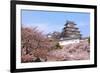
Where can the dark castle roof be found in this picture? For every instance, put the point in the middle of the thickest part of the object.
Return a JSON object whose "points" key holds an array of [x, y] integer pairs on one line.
{"points": [[70, 22]]}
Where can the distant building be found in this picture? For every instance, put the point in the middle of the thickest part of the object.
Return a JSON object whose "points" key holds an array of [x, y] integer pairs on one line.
{"points": [[70, 34]]}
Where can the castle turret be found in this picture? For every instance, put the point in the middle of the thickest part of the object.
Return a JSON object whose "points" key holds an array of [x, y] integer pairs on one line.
{"points": [[70, 31]]}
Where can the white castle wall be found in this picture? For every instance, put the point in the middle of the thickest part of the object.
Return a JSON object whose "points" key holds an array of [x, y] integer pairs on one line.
{"points": [[65, 42]]}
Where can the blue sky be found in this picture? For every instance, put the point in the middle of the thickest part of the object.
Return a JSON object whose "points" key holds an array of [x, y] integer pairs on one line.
{"points": [[49, 22]]}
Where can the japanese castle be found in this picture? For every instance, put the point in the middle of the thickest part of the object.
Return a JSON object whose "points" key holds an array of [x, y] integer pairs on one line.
{"points": [[70, 34]]}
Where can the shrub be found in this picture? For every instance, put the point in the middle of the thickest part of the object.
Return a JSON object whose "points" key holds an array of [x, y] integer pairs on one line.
{"points": [[57, 46], [88, 39]]}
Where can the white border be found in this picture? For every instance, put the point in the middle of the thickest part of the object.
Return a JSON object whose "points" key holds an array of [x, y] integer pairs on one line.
{"points": [[51, 64]]}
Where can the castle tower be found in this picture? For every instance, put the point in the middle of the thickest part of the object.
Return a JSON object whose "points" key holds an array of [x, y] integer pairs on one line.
{"points": [[70, 31]]}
